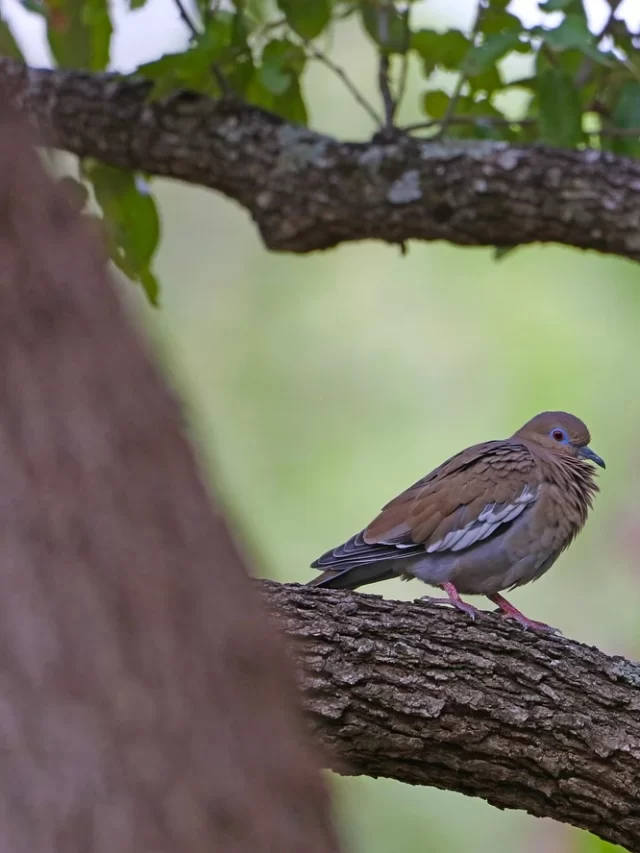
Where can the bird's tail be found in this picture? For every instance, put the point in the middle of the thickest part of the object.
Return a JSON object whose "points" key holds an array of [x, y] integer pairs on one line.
{"points": [[353, 576]]}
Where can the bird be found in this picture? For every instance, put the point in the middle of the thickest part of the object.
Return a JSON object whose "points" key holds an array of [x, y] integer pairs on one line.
{"points": [[491, 518]]}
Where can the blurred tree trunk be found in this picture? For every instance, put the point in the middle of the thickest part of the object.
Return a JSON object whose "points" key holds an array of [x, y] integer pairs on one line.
{"points": [[146, 703]]}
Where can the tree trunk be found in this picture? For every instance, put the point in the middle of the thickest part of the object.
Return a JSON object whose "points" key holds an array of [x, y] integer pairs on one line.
{"points": [[146, 701]]}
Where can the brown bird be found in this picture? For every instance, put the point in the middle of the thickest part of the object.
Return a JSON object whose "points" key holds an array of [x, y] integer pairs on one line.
{"points": [[491, 518]]}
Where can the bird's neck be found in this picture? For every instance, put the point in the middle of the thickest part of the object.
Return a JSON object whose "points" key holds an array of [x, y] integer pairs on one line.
{"points": [[576, 479]]}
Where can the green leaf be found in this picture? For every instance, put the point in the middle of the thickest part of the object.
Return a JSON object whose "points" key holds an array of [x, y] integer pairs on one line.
{"points": [[79, 33], [385, 25], [240, 28], [144, 276], [435, 103], [483, 57], [452, 47], [308, 18], [257, 93], [192, 69], [282, 64], [239, 74], [151, 286], [218, 35], [626, 116], [291, 105], [175, 71], [489, 81], [444, 49], [8, 44], [286, 54], [496, 21], [274, 79], [560, 109], [423, 42], [570, 61], [136, 4], [132, 218], [500, 252], [575, 6], [574, 32], [275, 85]]}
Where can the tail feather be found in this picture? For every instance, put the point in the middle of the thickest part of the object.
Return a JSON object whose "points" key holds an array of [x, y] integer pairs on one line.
{"points": [[353, 576]]}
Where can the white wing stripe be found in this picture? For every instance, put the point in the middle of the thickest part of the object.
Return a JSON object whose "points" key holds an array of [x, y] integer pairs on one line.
{"points": [[489, 520]]}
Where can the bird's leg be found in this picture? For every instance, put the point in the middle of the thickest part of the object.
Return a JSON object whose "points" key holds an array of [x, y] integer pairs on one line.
{"points": [[453, 599], [512, 612]]}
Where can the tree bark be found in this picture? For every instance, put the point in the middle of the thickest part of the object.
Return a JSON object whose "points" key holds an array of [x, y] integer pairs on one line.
{"points": [[146, 703], [423, 695], [307, 191]]}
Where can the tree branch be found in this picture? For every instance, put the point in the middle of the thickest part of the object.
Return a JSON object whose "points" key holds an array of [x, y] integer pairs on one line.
{"points": [[307, 191], [424, 696]]}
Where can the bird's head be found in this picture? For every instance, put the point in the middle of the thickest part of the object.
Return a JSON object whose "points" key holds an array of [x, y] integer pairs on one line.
{"points": [[561, 433]]}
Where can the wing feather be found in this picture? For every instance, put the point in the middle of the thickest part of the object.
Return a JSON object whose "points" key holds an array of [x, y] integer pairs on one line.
{"points": [[463, 502]]}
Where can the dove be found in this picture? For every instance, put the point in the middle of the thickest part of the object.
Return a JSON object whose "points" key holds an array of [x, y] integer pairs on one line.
{"points": [[492, 518]]}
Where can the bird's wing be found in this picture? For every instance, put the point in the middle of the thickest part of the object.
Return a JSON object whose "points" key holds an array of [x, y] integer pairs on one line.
{"points": [[464, 501]]}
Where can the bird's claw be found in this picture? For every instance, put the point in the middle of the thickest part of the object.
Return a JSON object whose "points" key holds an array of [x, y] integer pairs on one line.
{"points": [[510, 612], [469, 609], [532, 624]]}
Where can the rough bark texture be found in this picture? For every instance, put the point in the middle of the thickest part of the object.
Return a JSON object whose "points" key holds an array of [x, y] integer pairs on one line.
{"points": [[307, 191], [426, 696], [146, 703]]}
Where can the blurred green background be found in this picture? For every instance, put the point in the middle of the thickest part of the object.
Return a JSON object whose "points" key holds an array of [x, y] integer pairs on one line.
{"points": [[318, 387]]}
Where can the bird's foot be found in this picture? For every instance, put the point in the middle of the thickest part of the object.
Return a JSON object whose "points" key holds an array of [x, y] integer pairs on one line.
{"points": [[511, 612], [453, 600]]}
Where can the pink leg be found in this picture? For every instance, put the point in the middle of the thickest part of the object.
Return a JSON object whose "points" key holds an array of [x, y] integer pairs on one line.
{"points": [[512, 612], [454, 599]]}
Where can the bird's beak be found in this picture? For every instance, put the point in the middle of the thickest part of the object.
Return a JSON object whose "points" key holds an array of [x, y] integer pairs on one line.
{"points": [[592, 456]]}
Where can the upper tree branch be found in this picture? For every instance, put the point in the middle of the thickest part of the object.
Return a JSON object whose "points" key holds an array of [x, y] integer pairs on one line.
{"points": [[307, 191], [425, 696]]}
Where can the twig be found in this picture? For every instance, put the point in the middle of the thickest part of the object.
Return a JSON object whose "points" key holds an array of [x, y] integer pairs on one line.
{"points": [[342, 75], [220, 79], [587, 65], [195, 33], [388, 101], [462, 79], [404, 70], [271, 26]]}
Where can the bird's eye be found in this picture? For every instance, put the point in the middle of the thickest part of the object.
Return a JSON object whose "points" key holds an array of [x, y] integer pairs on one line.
{"points": [[558, 435]]}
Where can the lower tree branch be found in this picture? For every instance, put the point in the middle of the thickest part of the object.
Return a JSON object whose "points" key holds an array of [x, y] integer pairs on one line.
{"points": [[307, 191], [425, 696]]}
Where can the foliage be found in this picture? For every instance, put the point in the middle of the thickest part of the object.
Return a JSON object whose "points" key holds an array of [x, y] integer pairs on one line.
{"points": [[583, 88]]}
